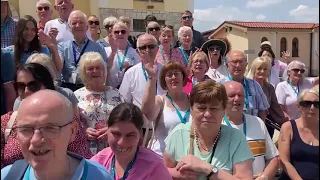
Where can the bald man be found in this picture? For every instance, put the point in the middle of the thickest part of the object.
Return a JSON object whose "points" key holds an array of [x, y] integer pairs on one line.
{"points": [[266, 154], [256, 102], [45, 127]]}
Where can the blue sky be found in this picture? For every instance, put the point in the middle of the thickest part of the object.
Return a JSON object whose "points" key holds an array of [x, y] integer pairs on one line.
{"points": [[209, 14]]}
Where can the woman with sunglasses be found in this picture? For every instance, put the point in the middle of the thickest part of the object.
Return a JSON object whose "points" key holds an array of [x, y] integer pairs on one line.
{"points": [[216, 49], [30, 78], [168, 110], [299, 140], [94, 27], [124, 159], [44, 12], [108, 25], [153, 28], [294, 83]]}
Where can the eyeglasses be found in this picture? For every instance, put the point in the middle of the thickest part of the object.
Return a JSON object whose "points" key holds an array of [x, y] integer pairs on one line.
{"points": [[236, 62], [214, 48], [150, 46], [46, 8], [47, 132], [198, 61], [308, 104], [186, 17], [32, 86], [154, 29], [118, 32], [175, 73], [94, 22], [297, 70], [108, 27]]}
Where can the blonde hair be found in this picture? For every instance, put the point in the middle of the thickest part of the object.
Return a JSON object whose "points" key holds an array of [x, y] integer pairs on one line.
{"points": [[304, 92], [258, 62], [121, 24], [44, 60], [90, 57], [316, 88], [167, 29], [44, 2], [125, 19], [202, 56]]}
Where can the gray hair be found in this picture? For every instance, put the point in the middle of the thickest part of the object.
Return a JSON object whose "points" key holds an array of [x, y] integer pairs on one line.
{"points": [[184, 29], [229, 55], [78, 12], [145, 35], [110, 21], [290, 66], [44, 2]]}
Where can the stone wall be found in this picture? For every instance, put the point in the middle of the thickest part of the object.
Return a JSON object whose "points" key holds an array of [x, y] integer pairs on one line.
{"points": [[171, 18]]}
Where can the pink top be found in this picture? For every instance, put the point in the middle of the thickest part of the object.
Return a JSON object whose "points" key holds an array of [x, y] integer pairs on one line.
{"points": [[188, 87], [176, 56], [148, 165]]}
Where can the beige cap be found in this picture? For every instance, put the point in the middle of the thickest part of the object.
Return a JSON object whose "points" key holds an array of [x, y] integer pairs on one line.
{"points": [[265, 43]]}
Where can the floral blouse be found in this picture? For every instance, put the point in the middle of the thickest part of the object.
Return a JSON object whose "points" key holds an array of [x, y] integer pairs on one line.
{"points": [[176, 56], [11, 151]]}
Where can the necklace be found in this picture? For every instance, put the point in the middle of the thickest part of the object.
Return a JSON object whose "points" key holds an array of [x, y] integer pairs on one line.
{"points": [[214, 143]]}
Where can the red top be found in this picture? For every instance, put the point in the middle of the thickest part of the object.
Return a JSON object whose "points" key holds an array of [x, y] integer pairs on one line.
{"points": [[11, 151]]}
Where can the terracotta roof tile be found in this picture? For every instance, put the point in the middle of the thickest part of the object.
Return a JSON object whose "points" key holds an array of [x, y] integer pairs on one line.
{"points": [[274, 25]]}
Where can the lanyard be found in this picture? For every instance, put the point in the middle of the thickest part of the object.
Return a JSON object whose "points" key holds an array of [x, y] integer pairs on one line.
{"points": [[186, 61], [121, 61], [194, 81], [162, 54], [246, 90], [83, 177], [144, 72], [4, 27], [76, 61], [128, 168], [182, 119], [295, 89], [225, 119]]}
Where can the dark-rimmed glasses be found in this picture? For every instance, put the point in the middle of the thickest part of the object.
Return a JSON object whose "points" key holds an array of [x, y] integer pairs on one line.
{"points": [[297, 70], [186, 17], [46, 8], [150, 46], [154, 29], [308, 104], [118, 32], [32, 86], [97, 23]]}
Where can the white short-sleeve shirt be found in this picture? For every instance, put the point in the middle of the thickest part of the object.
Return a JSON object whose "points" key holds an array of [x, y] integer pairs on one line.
{"points": [[218, 74], [287, 96]]}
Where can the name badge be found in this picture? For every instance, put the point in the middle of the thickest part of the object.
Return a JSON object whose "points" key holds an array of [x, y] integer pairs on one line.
{"points": [[75, 78], [120, 76]]}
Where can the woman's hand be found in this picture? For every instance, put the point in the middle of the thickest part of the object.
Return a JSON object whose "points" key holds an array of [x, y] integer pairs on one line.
{"points": [[92, 134], [48, 40], [286, 55], [193, 163], [102, 133], [189, 174]]}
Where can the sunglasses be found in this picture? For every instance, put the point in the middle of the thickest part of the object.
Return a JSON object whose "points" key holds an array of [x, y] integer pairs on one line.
{"points": [[150, 46], [186, 17], [297, 70], [46, 8], [32, 86], [154, 29], [214, 48], [94, 22], [308, 104], [108, 27], [118, 32]]}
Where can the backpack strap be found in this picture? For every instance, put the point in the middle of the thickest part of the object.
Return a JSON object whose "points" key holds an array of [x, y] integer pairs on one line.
{"points": [[17, 170], [10, 125]]}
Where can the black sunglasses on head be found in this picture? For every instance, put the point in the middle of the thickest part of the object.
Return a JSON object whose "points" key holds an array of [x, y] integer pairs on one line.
{"points": [[308, 104], [150, 46], [186, 17], [94, 22], [297, 70], [46, 8], [118, 32], [154, 29], [32, 86]]}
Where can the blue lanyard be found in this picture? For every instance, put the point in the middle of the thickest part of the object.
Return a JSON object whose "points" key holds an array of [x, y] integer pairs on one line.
{"points": [[225, 119], [246, 90], [4, 27], [295, 89], [144, 72], [83, 177], [162, 54], [182, 119], [76, 61], [128, 168], [121, 61], [194, 81], [186, 61]]}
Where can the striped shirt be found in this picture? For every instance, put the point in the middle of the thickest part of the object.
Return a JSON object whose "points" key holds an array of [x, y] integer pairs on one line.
{"points": [[7, 32]]}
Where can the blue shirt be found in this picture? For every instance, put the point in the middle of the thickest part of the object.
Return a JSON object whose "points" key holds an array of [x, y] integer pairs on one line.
{"points": [[7, 32], [7, 75], [65, 50], [94, 171], [26, 54]]}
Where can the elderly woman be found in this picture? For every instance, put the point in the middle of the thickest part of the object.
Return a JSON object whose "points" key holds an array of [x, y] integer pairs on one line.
{"points": [[44, 12], [300, 138], [124, 132], [216, 49], [95, 99], [153, 28], [31, 78], [124, 57], [168, 110], [132, 40], [94, 27], [205, 149], [199, 65], [260, 71], [186, 48], [108, 25], [166, 51], [288, 90]]}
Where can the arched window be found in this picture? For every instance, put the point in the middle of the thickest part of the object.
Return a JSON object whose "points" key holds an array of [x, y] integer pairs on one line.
{"points": [[283, 45], [295, 47], [264, 39]]}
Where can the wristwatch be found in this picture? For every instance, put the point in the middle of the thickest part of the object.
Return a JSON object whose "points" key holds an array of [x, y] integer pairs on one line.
{"points": [[214, 171]]}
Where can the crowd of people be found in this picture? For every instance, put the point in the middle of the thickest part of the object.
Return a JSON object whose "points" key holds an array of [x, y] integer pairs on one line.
{"points": [[79, 105]]}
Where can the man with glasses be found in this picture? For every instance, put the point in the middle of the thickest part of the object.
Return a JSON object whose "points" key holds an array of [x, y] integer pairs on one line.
{"points": [[256, 102], [8, 25], [187, 20], [44, 129], [44, 12]]}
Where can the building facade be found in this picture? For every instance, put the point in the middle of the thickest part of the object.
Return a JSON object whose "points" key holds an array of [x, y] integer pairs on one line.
{"points": [[166, 11], [300, 39]]}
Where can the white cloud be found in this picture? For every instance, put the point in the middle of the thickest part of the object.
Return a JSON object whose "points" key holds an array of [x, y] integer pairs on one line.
{"points": [[260, 17], [305, 13], [262, 3]]}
